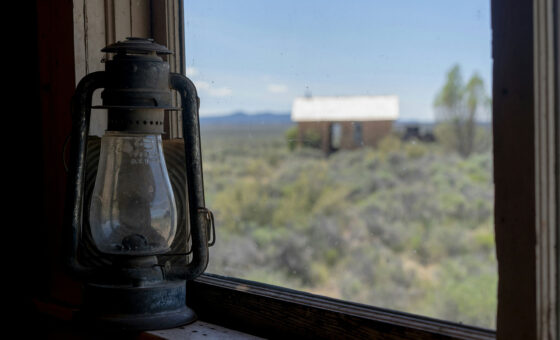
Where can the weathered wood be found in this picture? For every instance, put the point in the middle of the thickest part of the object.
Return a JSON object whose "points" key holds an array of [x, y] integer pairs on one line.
{"points": [[79, 40], [140, 18], [96, 32], [110, 21], [557, 143], [98, 23], [371, 133], [159, 27], [122, 20], [514, 173], [546, 161], [198, 330], [275, 312], [170, 33], [174, 20]]}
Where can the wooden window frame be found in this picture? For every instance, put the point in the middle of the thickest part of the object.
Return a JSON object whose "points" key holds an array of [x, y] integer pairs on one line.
{"points": [[525, 215], [277, 312], [525, 127]]}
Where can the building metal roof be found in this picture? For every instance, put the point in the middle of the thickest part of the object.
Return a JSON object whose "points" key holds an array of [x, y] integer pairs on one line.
{"points": [[345, 108]]}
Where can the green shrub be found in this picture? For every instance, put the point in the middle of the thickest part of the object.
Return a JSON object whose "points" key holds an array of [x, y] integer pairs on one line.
{"points": [[291, 137], [401, 226], [415, 150], [312, 138], [389, 143]]}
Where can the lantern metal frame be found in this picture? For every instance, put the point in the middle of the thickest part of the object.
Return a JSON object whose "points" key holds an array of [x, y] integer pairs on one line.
{"points": [[136, 292]]}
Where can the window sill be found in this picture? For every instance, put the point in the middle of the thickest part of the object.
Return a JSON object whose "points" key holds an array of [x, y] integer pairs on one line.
{"points": [[271, 311], [198, 330], [53, 320]]}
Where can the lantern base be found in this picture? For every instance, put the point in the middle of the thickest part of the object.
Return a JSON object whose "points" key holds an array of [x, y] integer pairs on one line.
{"points": [[126, 308]]}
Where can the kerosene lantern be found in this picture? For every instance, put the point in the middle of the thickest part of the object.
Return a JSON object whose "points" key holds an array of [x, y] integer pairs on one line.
{"points": [[132, 214]]}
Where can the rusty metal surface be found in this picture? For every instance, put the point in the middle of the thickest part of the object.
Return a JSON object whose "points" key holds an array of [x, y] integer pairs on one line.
{"points": [[137, 82], [129, 293], [81, 111], [130, 309], [82, 254], [136, 45], [198, 218]]}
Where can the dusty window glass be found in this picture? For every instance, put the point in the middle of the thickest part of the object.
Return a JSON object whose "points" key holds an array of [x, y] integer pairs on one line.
{"points": [[393, 209]]}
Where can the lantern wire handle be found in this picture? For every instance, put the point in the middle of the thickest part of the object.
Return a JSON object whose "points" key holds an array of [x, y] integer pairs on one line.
{"points": [[191, 134], [211, 227], [211, 230]]}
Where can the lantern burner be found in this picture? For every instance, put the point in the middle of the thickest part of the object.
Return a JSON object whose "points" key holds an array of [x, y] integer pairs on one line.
{"points": [[135, 242]]}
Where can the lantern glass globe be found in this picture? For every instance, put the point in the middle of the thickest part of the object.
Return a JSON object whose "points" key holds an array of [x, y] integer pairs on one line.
{"points": [[132, 209]]}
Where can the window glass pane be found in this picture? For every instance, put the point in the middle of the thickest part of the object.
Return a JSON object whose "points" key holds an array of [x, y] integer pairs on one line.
{"points": [[358, 134], [335, 135], [347, 149]]}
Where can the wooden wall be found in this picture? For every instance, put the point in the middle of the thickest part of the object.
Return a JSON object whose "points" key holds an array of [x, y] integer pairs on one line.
{"points": [[98, 23], [68, 38], [372, 133], [545, 38]]}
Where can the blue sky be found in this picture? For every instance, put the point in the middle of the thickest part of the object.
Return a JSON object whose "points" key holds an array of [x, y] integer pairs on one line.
{"points": [[257, 56]]}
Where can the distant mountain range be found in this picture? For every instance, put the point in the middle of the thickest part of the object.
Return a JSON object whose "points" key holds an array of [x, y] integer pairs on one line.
{"points": [[267, 118], [241, 118]]}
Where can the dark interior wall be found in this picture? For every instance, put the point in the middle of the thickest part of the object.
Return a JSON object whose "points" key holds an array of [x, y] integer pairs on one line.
{"points": [[57, 83], [42, 82], [23, 234], [24, 159]]}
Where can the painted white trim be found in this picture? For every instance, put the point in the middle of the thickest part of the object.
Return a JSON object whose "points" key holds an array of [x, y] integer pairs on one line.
{"points": [[349, 108]]}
